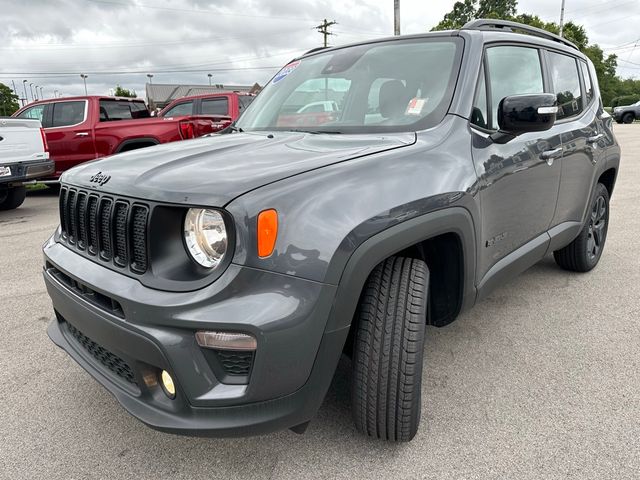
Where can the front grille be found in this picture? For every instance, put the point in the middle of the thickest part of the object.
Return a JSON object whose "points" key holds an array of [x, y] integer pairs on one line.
{"points": [[235, 362], [112, 229], [109, 360]]}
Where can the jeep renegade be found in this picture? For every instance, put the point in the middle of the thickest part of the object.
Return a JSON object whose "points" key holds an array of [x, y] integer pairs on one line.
{"points": [[212, 285]]}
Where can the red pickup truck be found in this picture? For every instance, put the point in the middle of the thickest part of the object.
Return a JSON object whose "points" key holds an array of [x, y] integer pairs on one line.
{"points": [[230, 104], [79, 129]]}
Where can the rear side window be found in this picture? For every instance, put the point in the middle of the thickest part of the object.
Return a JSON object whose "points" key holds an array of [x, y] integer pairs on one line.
{"points": [[588, 94], [511, 71], [185, 108], [35, 113], [66, 114], [244, 101], [215, 106], [112, 110], [566, 84]]}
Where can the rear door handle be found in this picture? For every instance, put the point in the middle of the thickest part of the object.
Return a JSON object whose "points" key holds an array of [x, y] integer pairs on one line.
{"points": [[595, 138], [551, 155], [82, 134]]}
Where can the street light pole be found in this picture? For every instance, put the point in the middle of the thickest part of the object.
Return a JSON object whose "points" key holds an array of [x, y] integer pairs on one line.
{"points": [[31, 88], [561, 17], [26, 98], [209, 75], [150, 75], [41, 93], [55, 94], [84, 79], [37, 87]]}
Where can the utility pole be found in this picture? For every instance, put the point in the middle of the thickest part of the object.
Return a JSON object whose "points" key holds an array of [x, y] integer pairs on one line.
{"points": [[323, 29], [561, 17], [396, 17], [84, 79]]}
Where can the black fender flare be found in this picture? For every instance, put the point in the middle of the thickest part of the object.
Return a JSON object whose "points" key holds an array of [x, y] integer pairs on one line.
{"points": [[371, 252], [134, 141]]}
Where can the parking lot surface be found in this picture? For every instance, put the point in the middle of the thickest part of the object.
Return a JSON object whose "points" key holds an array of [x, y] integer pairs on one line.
{"points": [[541, 380]]}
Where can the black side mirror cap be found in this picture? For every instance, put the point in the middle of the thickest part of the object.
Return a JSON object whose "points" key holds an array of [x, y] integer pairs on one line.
{"points": [[518, 114]]}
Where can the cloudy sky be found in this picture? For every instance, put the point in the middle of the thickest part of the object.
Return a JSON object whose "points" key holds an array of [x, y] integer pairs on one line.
{"points": [[50, 42]]}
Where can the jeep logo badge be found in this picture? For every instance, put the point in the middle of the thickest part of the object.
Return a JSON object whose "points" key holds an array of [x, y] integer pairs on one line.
{"points": [[100, 178]]}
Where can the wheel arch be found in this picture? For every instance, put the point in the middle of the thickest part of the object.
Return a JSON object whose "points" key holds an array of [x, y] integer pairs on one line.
{"points": [[135, 143], [454, 223]]}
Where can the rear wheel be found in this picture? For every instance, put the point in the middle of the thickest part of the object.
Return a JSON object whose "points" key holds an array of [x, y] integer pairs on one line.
{"points": [[628, 118], [388, 350], [14, 198], [585, 251]]}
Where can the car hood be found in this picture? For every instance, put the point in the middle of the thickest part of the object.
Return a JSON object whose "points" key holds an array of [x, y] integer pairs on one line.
{"points": [[214, 170]]}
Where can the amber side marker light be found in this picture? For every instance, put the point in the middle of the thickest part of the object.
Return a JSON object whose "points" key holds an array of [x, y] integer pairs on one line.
{"points": [[267, 232]]}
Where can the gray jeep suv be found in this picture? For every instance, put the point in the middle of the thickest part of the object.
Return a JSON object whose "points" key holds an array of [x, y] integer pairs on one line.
{"points": [[212, 285]]}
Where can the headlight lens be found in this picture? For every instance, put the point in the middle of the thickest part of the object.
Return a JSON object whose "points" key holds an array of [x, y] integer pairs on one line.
{"points": [[205, 236]]}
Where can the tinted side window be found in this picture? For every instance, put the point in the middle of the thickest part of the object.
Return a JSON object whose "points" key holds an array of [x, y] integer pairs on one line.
{"points": [[111, 110], [68, 113], [185, 108], [215, 106], [35, 113], [587, 82], [566, 84], [479, 115], [512, 71], [244, 101]]}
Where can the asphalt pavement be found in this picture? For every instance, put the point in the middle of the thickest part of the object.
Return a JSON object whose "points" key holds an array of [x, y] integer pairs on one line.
{"points": [[541, 380]]}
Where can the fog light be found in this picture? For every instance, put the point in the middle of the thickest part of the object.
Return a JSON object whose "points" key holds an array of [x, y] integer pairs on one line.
{"points": [[226, 340], [167, 384]]}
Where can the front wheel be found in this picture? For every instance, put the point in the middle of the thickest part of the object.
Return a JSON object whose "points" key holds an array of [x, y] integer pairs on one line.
{"points": [[627, 118], [388, 350], [14, 197], [585, 251]]}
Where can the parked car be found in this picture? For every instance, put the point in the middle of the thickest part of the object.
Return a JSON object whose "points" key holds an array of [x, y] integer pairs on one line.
{"points": [[627, 113], [212, 288], [24, 156], [319, 107], [227, 105], [79, 129]]}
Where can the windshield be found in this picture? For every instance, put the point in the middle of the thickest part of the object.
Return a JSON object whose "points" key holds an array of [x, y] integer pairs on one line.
{"points": [[392, 86]]}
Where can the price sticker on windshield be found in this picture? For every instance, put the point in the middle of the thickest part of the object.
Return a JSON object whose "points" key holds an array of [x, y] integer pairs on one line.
{"points": [[415, 106], [286, 70]]}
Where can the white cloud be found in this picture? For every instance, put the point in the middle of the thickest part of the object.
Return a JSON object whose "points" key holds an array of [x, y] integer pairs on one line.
{"points": [[180, 41]]}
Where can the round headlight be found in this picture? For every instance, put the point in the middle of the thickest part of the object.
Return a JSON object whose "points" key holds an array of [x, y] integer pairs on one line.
{"points": [[205, 236]]}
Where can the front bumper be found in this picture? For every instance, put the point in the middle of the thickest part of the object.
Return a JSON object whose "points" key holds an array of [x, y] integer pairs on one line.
{"points": [[26, 171], [154, 330]]}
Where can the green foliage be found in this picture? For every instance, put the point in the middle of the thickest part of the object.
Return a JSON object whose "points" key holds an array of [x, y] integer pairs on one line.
{"points": [[123, 92], [8, 101], [611, 86], [625, 100]]}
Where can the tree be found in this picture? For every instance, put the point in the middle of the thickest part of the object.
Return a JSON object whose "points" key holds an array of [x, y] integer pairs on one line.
{"points": [[8, 101], [123, 92], [610, 85]]}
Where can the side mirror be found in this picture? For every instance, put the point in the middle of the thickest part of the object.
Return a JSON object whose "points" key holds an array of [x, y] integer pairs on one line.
{"points": [[520, 114]]}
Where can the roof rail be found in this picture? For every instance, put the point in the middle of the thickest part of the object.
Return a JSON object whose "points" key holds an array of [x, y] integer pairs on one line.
{"points": [[508, 26], [313, 50]]}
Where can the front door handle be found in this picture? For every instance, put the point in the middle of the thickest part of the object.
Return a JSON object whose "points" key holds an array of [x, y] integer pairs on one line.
{"points": [[82, 134], [595, 138], [550, 155]]}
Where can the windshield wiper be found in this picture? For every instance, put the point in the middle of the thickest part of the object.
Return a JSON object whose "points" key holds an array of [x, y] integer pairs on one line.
{"points": [[313, 132]]}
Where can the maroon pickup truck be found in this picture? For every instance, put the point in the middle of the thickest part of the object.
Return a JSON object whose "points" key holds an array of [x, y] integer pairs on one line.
{"points": [[79, 129], [229, 104]]}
